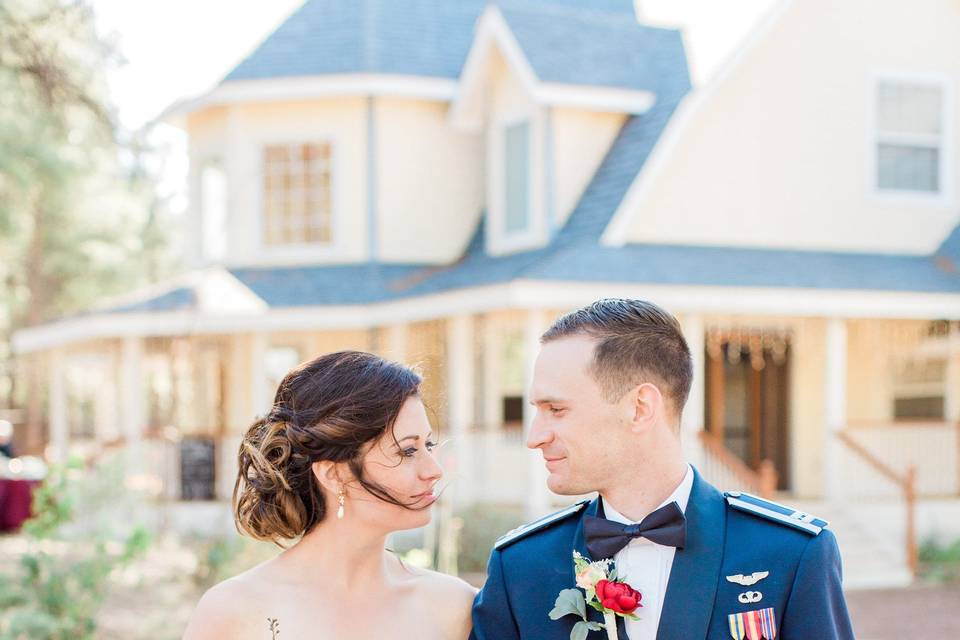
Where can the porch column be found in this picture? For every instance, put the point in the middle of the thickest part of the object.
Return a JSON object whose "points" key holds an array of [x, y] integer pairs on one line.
{"points": [[57, 448], [538, 495], [951, 400], [492, 370], [106, 403], [691, 423], [460, 385], [132, 416], [835, 404], [396, 342], [262, 402]]}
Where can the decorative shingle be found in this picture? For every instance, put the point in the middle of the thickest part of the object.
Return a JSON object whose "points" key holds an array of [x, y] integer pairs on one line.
{"points": [[572, 41]]}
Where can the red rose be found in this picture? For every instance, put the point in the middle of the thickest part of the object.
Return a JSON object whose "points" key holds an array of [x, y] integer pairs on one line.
{"points": [[618, 596]]}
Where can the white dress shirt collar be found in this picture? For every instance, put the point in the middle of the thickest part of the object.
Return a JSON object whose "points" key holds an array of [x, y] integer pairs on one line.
{"points": [[680, 495]]}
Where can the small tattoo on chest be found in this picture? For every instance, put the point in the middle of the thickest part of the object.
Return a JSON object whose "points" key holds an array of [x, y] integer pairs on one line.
{"points": [[274, 628]]}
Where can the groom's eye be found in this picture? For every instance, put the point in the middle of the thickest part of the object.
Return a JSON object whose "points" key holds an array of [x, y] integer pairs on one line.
{"points": [[557, 410]]}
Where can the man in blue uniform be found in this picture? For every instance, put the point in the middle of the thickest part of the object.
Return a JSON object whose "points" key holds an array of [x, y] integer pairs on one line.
{"points": [[609, 387]]}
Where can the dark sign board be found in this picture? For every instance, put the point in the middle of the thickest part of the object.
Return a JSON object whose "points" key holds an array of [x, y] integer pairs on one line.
{"points": [[197, 469]]}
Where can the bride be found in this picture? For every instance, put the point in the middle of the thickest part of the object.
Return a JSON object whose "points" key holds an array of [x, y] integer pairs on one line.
{"points": [[343, 459]]}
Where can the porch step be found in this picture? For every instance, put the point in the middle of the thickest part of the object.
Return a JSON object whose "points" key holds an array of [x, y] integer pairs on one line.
{"points": [[871, 560]]}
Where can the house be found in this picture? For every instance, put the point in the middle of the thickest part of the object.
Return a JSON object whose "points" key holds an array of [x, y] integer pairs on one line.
{"points": [[436, 181]]}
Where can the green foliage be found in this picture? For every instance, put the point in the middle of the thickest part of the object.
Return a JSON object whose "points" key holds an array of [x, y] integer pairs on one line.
{"points": [[483, 524], [79, 214], [63, 577], [221, 557], [940, 562]]}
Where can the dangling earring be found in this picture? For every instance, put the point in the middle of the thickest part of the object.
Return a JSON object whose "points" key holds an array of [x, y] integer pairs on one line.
{"points": [[341, 499]]}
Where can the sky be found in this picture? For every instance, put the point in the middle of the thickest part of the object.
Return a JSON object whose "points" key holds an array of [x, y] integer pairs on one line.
{"points": [[174, 49]]}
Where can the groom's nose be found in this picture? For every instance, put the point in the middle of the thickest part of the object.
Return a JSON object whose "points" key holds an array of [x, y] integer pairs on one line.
{"points": [[538, 435]]}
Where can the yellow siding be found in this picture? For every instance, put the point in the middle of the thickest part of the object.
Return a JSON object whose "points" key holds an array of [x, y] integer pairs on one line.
{"points": [[779, 154]]}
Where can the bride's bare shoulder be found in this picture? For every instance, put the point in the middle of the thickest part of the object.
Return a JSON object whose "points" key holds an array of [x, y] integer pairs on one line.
{"points": [[224, 609], [451, 599]]}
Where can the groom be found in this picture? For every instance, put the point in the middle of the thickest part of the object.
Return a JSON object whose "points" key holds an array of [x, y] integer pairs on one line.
{"points": [[609, 387]]}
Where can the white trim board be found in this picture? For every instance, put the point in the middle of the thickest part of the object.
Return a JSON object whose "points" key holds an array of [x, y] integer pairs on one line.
{"points": [[493, 32], [519, 294], [309, 87]]}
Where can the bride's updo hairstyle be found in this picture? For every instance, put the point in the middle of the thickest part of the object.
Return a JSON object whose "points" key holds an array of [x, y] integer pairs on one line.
{"points": [[327, 409]]}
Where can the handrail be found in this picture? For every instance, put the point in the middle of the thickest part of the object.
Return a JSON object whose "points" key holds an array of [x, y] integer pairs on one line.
{"points": [[765, 478], [911, 423], [907, 482]]}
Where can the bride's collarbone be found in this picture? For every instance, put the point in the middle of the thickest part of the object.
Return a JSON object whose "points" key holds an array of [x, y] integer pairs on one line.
{"points": [[323, 614], [350, 621]]}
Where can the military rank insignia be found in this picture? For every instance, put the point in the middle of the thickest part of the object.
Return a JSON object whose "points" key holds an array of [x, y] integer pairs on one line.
{"points": [[753, 625]]}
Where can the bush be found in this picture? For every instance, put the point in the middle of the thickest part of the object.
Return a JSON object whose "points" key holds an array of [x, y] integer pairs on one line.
{"points": [[221, 557], [61, 579], [940, 563]]}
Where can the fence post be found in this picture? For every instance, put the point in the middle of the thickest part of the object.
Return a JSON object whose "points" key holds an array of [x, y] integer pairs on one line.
{"points": [[910, 493]]}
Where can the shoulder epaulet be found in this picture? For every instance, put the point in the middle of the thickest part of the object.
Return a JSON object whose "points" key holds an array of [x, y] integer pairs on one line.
{"points": [[776, 512], [538, 525]]}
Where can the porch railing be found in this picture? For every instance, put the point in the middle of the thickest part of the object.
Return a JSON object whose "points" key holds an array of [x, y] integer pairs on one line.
{"points": [[906, 482], [932, 447], [725, 470]]}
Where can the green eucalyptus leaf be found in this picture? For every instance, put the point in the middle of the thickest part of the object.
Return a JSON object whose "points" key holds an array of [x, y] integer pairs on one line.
{"points": [[569, 602], [579, 631]]}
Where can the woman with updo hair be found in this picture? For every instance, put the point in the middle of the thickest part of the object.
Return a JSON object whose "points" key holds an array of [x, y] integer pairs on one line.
{"points": [[344, 458]]}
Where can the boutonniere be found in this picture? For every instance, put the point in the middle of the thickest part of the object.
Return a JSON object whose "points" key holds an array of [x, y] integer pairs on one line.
{"points": [[603, 591]]}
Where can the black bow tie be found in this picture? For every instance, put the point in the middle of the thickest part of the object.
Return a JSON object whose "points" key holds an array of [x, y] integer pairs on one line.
{"points": [[667, 526]]}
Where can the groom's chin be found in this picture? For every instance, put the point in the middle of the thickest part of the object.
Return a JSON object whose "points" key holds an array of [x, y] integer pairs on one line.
{"points": [[557, 485]]}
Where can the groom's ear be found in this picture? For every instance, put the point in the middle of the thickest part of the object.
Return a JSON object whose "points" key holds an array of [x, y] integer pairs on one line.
{"points": [[647, 403]]}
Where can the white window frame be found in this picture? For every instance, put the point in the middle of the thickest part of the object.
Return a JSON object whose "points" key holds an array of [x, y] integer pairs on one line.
{"points": [[946, 179], [304, 251], [906, 389], [499, 240], [208, 225]]}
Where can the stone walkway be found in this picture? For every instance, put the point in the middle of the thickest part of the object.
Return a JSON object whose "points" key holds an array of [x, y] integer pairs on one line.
{"points": [[900, 614]]}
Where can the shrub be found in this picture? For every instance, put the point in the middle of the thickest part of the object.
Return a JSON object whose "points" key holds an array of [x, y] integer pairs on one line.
{"points": [[62, 577], [483, 524], [940, 562]]}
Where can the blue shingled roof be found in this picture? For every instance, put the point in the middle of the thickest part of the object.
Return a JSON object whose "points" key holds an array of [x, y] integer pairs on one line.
{"points": [[590, 47], [596, 42], [343, 284], [733, 266], [175, 300], [949, 250], [419, 37]]}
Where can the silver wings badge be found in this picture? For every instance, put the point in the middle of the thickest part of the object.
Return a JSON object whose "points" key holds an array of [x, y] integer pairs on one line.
{"points": [[749, 580]]}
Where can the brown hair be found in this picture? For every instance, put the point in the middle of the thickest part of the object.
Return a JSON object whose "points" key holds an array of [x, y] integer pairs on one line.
{"points": [[637, 342], [326, 409]]}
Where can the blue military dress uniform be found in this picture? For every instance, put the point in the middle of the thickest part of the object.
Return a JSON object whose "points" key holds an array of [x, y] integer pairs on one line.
{"points": [[733, 534]]}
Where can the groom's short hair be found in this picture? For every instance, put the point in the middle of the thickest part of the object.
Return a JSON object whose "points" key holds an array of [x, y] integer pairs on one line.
{"points": [[637, 342]]}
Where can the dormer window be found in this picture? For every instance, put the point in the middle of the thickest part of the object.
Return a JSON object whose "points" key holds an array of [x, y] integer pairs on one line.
{"points": [[297, 202], [515, 184], [516, 166]]}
